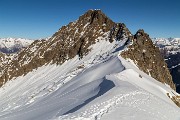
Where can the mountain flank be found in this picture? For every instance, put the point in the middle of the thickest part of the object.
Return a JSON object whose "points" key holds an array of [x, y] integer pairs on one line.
{"points": [[76, 38], [148, 58], [71, 40]]}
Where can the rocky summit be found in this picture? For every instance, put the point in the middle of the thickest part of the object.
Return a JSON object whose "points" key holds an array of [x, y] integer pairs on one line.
{"points": [[174, 67], [69, 41], [148, 58], [76, 38], [92, 68]]}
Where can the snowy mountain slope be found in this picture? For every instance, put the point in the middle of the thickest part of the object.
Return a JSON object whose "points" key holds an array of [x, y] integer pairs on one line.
{"points": [[79, 74], [69, 41], [173, 62], [12, 45], [148, 58], [169, 48], [101, 85]]}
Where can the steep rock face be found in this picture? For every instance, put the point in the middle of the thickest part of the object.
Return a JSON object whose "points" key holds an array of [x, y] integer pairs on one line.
{"points": [[173, 62], [71, 40], [2, 57], [77, 36], [5, 60], [119, 31], [175, 72], [148, 58]]}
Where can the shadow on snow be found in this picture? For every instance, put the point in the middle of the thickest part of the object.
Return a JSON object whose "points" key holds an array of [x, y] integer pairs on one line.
{"points": [[105, 86]]}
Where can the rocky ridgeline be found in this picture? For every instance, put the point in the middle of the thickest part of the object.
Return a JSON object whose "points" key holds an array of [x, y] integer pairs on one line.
{"points": [[5, 59], [76, 38], [173, 62], [2, 58], [148, 58], [71, 40]]}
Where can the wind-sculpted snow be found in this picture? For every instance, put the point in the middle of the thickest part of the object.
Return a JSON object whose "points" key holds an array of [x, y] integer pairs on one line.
{"points": [[45, 104], [101, 85], [52, 91], [125, 101]]}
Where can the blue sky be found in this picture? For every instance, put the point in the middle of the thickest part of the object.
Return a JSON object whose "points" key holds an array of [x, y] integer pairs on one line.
{"points": [[41, 18]]}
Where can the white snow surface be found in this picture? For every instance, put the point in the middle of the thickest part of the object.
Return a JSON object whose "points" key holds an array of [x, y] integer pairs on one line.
{"points": [[166, 41], [101, 86], [11, 42]]}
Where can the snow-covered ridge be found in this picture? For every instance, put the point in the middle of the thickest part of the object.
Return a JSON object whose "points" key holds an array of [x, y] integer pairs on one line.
{"points": [[11, 45], [97, 85], [100, 86]]}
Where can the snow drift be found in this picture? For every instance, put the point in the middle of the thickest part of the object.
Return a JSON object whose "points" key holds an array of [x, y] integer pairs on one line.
{"points": [[102, 85]]}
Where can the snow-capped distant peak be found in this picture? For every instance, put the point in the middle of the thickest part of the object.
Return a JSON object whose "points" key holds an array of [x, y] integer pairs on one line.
{"points": [[11, 45], [167, 41], [80, 74]]}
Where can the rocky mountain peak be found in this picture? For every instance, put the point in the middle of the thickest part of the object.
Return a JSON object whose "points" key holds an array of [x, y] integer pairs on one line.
{"points": [[76, 38], [95, 17], [141, 36], [148, 58], [69, 41], [140, 32]]}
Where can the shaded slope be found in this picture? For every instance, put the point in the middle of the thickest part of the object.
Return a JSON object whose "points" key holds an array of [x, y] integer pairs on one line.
{"points": [[173, 62]]}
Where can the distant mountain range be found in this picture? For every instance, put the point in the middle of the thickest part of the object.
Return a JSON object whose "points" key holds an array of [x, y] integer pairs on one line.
{"points": [[167, 45], [170, 49], [90, 69], [12, 45], [173, 62], [167, 41]]}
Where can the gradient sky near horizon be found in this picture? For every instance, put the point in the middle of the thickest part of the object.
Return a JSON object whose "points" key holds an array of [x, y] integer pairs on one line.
{"points": [[35, 19]]}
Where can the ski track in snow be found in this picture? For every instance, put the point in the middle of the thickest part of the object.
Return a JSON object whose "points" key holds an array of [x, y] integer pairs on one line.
{"points": [[96, 111], [52, 91], [135, 99]]}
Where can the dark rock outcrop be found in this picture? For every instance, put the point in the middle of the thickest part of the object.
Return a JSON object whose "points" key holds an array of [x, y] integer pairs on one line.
{"points": [[69, 41], [173, 62], [2, 57], [76, 39], [148, 58]]}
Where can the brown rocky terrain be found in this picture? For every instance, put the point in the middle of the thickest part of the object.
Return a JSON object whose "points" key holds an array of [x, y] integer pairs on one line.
{"points": [[69, 41], [76, 38], [2, 57], [148, 58]]}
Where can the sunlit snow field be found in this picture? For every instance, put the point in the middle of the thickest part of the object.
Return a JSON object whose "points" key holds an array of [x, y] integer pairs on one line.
{"points": [[102, 85]]}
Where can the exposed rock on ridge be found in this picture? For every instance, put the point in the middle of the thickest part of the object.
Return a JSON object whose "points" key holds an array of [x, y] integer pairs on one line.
{"points": [[71, 40], [148, 58], [76, 38], [173, 62]]}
